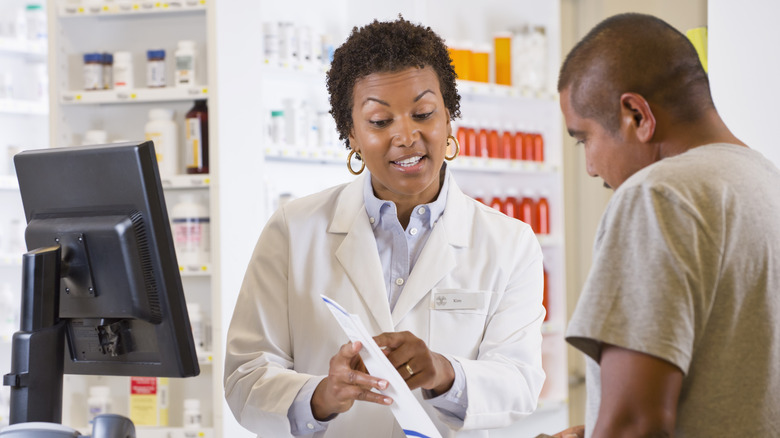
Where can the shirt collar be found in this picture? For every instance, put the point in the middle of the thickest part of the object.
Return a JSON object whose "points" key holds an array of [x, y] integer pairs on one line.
{"points": [[374, 205]]}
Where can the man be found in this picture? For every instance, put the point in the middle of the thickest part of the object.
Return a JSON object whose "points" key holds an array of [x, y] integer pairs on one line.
{"points": [[680, 315]]}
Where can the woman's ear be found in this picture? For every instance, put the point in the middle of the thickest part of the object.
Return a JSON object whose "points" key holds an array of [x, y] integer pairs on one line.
{"points": [[353, 144], [636, 117]]}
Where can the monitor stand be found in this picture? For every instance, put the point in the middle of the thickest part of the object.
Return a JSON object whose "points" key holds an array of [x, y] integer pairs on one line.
{"points": [[38, 359], [37, 355]]}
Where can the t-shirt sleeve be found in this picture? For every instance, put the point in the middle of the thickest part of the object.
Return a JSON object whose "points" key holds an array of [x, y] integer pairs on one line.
{"points": [[650, 285]]}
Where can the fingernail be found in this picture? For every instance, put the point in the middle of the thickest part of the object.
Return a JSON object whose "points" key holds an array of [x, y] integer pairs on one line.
{"points": [[382, 384], [387, 400]]}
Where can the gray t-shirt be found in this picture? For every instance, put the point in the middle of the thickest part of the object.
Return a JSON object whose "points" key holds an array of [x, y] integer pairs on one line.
{"points": [[686, 268]]}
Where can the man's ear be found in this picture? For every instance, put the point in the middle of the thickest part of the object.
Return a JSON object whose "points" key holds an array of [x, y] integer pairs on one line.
{"points": [[636, 116]]}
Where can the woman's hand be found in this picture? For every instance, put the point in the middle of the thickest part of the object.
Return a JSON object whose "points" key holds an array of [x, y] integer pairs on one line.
{"points": [[572, 432], [346, 382], [419, 366]]}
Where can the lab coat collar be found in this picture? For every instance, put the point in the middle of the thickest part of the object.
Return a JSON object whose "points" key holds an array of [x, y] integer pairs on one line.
{"points": [[358, 253], [359, 256]]}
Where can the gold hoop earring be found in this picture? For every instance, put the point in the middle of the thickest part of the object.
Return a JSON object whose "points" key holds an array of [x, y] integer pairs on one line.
{"points": [[349, 162], [457, 148]]}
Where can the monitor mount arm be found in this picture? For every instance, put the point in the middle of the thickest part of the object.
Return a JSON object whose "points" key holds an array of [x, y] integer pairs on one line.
{"points": [[37, 361]]}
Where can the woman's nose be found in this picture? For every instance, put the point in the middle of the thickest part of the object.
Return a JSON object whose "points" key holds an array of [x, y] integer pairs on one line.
{"points": [[405, 133]]}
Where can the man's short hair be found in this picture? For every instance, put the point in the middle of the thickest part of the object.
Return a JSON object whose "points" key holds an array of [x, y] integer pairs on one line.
{"points": [[635, 53]]}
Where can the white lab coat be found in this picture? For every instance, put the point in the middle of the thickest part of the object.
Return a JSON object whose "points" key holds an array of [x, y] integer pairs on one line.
{"points": [[282, 333]]}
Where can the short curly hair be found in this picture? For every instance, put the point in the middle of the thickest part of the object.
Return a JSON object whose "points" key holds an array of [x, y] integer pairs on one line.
{"points": [[387, 46]]}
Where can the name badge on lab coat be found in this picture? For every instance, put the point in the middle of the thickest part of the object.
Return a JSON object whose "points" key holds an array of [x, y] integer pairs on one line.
{"points": [[458, 300]]}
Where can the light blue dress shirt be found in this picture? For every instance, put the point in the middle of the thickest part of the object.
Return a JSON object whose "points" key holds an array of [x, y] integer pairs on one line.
{"points": [[399, 250]]}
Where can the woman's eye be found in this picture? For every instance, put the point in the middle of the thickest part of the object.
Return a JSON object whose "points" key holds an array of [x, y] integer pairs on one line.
{"points": [[380, 123], [423, 116]]}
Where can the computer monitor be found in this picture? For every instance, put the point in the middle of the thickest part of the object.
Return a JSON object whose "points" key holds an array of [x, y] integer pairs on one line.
{"points": [[102, 293]]}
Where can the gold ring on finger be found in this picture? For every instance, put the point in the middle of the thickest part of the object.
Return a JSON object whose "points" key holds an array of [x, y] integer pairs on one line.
{"points": [[409, 369]]}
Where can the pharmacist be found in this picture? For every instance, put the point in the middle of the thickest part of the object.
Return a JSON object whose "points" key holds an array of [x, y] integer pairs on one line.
{"points": [[394, 247]]}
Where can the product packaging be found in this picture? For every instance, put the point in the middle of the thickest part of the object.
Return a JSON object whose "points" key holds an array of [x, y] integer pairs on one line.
{"points": [[185, 59], [149, 401], [99, 402], [123, 70], [191, 231], [155, 68], [162, 130], [196, 145]]}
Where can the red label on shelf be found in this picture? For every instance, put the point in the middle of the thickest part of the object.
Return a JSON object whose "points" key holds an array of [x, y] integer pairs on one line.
{"points": [[143, 385]]}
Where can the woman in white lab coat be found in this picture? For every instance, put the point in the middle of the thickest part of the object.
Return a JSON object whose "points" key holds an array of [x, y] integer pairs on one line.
{"points": [[451, 288]]}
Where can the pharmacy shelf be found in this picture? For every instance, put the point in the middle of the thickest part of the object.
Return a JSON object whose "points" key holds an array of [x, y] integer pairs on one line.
{"points": [[479, 164], [174, 432], [195, 270], [136, 95], [552, 328], [24, 107], [133, 8], [306, 154], [206, 358], [550, 404], [10, 260], [549, 240], [285, 68], [186, 182], [318, 154], [8, 182], [165, 432], [483, 89], [16, 46]]}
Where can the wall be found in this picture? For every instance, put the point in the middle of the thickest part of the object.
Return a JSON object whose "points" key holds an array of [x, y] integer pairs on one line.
{"points": [[743, 66]]}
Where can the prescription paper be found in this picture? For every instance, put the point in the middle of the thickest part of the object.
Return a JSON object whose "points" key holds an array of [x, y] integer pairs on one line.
{"points": [[407, 410]]}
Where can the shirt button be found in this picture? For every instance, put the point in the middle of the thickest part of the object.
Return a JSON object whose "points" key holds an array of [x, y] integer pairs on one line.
{"points": [[459, 394], [421, 210], [372, 220], [310, 426], [413, 231], [399, 281]]}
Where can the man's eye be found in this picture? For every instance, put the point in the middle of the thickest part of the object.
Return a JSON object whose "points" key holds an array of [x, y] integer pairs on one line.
{"points": [[579, 143]]}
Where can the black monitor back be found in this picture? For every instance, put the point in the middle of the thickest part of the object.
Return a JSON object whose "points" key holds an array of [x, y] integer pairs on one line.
{"points": [[120, 291]]}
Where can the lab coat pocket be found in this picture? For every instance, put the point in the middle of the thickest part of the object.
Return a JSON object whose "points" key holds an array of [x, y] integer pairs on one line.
{"points": [[457, 322]]}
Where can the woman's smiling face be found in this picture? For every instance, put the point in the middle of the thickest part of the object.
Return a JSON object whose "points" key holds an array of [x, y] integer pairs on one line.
{"points": [[400, 129]]}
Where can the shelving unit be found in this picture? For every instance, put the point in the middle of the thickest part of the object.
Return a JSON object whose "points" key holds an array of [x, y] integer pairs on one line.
{"points": [[132, 8], [137, 95], [22, 47], [137, 26], [23, 114]]}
